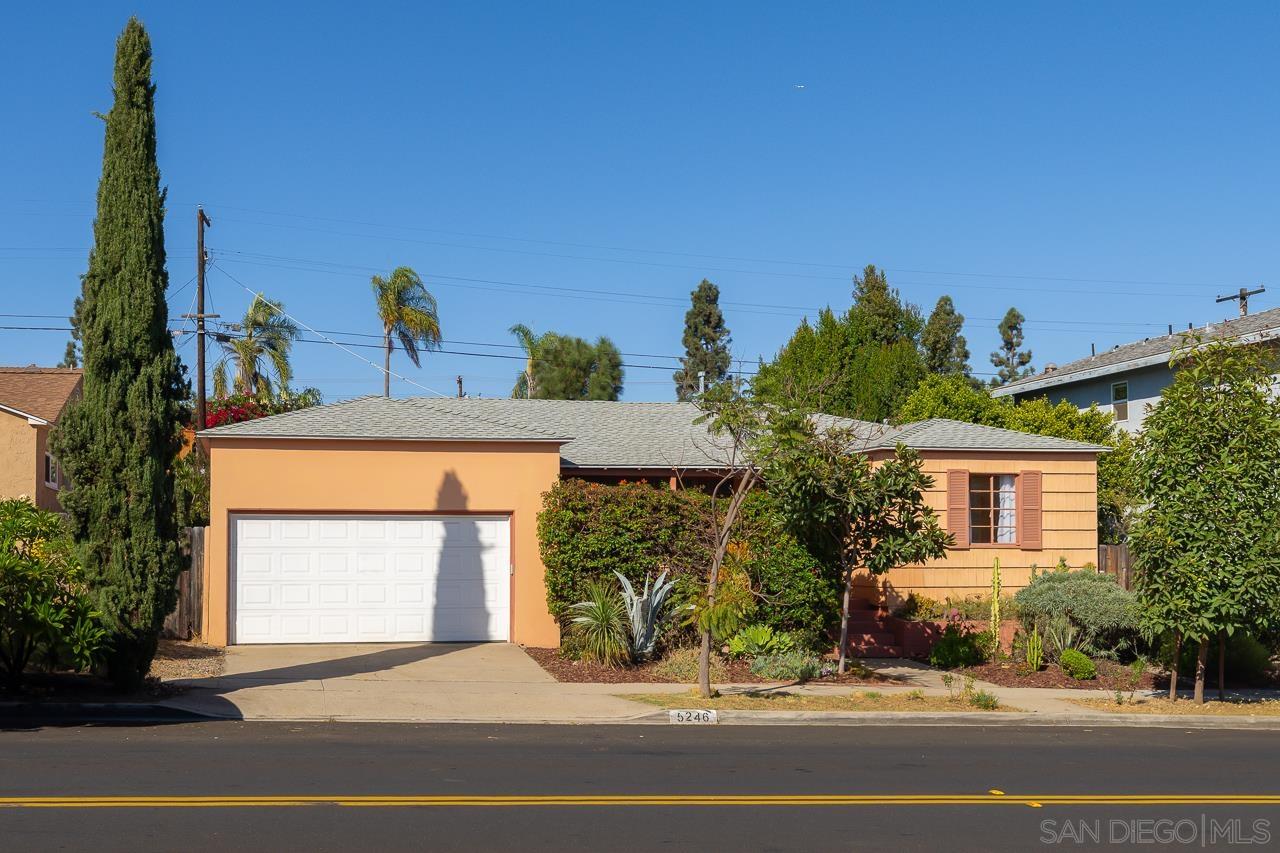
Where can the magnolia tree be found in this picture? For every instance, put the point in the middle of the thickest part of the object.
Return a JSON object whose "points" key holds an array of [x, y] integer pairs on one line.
{"points": [[1207, 544], [867, 514]]}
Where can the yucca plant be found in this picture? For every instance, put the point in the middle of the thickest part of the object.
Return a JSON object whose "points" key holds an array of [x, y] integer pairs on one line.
{"points": [[599, 622], [644, 612]]}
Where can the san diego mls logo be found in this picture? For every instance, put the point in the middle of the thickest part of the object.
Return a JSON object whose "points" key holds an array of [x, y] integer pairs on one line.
{"points": [[1165, 832]]}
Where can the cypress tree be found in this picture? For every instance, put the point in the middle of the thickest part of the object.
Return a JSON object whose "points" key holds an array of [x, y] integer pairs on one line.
{"points": [[945, 349], [1011, 360], [119, 441], [706, 342]]}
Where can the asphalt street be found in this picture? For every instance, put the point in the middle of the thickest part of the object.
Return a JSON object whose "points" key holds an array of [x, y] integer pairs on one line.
{"points": [[318, 787]]}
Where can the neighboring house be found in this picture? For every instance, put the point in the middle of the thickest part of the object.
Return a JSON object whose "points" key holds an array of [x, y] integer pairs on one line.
{"points": [[31, 401], [1126, 380], [416, 519]]}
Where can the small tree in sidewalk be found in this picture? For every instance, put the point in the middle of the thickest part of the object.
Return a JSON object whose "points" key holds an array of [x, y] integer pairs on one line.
{"points": [[1207, 545], [867, 515]]}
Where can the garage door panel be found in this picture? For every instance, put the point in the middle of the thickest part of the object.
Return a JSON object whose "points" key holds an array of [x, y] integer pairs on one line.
{"points": [[394, 578]]}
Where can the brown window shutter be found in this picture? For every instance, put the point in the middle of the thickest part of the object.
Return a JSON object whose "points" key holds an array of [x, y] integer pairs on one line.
{"points": [[958, 506], [1031, 511]]}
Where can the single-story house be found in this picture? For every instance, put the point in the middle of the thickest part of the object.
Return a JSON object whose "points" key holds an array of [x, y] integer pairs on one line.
{"points": [[1127, 379], [416, 519], [31, 401]]}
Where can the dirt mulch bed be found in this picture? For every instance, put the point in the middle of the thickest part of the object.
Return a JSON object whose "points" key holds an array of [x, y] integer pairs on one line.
{"points": [[174, 659], [1111, 676], [856, 701], [735, 672], [1229, 708], [181, 659]]}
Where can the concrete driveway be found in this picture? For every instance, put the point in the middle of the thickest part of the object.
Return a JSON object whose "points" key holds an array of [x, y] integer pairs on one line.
{"points": [[422, 682]]}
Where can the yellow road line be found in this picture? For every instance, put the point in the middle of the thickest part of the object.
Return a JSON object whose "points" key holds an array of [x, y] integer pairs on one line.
{"points": [[664, 800]]}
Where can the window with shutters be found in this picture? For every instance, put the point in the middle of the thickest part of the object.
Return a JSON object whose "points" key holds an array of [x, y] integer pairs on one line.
{"points": [[993, 509]]}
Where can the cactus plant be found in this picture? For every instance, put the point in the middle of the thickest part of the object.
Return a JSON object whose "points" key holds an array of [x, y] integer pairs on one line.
{"points": [[1035, 650], [644, 611], [993, 626]]}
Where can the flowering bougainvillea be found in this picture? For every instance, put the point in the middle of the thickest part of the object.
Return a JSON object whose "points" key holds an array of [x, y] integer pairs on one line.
{"points": [[241, 407]]}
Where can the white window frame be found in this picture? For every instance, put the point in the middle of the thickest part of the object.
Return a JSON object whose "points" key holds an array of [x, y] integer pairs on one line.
{"points": [[1123, 401], [50, 470]]}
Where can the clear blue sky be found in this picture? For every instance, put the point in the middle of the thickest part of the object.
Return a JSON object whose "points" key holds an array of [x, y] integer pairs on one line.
{"points": [[1107, 168]]}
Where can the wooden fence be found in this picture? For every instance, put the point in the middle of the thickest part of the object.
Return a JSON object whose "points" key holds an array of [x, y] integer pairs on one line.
{"points": [[1114, 560], [186, 622]]}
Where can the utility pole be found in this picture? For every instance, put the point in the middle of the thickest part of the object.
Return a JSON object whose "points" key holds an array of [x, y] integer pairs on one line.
{"points": [[202, 222], [702, 382], [1243, 296], [460, 394]]}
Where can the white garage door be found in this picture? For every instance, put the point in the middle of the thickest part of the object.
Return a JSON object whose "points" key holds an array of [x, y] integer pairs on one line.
{"points": [[351, 579]]}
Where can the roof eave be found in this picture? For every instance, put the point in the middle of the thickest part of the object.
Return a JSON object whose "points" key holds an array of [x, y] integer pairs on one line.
{"points": [[208, 435], [34, 420]]}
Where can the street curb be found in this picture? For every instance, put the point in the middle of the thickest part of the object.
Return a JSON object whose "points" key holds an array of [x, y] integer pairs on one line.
{"points": [[94, 712]]}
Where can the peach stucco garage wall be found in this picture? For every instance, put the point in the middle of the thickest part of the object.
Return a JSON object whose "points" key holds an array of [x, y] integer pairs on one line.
{"points": [[305, 475]]}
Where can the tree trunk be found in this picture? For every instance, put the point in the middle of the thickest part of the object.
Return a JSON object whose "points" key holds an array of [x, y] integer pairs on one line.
{"points": [[844, 623], [1222, 665], [386, 372], [1173, 669], [1202, 658]]}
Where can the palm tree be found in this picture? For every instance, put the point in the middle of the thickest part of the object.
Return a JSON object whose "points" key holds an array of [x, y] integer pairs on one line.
{"points": [[408, 312], [529, 341], [261, 347]]}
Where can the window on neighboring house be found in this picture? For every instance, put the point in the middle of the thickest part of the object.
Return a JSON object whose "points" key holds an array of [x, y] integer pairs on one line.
{"points": [[50, 471], [993, 511], [1120, 400]]}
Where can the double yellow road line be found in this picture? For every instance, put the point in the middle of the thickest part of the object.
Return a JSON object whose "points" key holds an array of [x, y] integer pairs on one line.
{"points": [[993, 798]]}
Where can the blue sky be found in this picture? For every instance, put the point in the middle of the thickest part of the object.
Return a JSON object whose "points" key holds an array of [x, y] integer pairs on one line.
{"points": [[1107, 168]]}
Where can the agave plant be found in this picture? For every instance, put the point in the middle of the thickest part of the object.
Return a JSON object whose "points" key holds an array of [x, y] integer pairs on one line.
{"points": [[644, 611]]}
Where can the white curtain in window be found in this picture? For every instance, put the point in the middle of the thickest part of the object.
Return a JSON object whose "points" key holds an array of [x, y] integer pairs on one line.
{"points": [[1006, 517]]}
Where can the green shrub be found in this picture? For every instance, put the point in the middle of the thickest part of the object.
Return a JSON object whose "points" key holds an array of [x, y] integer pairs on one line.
{"points": [[45, 614], [792, 666], [1077, 665], [599, 625], [983, 700], [755, 640], [958, 647], [1104, 615], [590, 530], [1248, 660], [922, 608], [681, 665]]}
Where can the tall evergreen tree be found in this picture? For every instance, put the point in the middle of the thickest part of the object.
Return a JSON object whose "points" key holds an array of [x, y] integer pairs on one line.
{"points": [[1011, 360], [119, 441], [71, 355], [569, 368], [863, 364], [945, 350], [706, 342]]}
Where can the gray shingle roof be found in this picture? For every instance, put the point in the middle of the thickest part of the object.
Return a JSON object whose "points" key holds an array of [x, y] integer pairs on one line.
{"points": [[1151, 351], [600, 434], [443, 419]]}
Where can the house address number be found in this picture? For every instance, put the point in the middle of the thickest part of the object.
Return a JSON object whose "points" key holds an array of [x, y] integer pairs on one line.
{"points": [[693, 717]]}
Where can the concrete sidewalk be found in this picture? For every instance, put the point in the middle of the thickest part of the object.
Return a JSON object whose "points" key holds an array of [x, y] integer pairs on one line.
{"points": [[495, 682]]}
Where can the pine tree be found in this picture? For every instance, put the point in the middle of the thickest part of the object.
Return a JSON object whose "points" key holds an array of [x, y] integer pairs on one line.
{"points": [[1011, 360], [706, 342], [945, 349], [863, 364], [119, 441], [568, 368], [71, 355]]}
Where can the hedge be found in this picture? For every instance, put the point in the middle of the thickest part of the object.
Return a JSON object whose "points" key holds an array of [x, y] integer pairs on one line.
{"points": [[589, 530]]}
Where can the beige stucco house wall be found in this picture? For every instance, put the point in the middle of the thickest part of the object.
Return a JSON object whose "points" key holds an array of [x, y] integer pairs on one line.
{"points": [[384, 476], [22, 448]]}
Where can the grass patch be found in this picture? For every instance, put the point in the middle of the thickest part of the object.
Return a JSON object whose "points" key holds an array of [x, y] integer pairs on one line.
{"points": [[1185, 707], [783, 701]]}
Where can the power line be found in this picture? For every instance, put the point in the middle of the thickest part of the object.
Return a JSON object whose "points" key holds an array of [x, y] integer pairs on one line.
{"points": [[354, 354]]}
